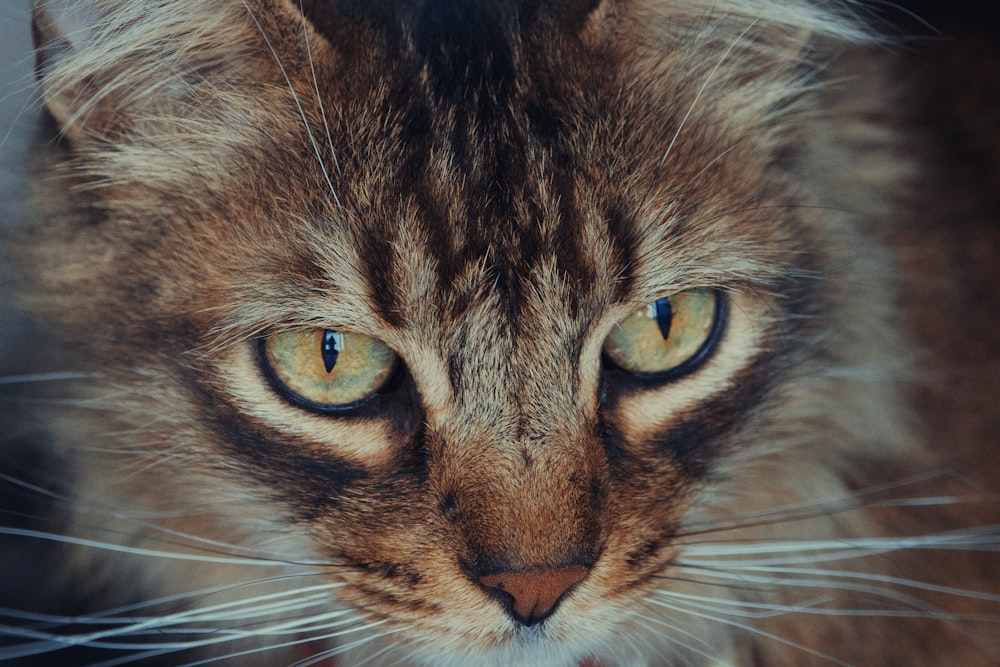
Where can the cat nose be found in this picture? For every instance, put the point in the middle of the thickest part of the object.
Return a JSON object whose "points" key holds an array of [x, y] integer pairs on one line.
{"points": [[532, 595]]}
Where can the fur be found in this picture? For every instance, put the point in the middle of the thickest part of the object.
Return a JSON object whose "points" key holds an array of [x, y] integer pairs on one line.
{"points": [[489, 188]]}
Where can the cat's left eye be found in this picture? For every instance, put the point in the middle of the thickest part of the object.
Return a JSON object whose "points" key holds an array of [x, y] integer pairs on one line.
{"points": [[668, 337], [325, 369]]}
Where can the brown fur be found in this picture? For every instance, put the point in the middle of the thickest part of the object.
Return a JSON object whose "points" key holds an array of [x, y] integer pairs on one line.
{"points": [[490, 205]]}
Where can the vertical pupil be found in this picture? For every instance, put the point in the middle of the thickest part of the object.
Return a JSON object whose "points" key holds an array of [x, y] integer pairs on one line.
{"points": [[333, 343], [664, 315]]}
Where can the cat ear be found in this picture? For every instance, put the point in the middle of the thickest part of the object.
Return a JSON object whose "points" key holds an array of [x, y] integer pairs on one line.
{"points": [[113, 71], [747, 60], [59, 30], [783, 27]]}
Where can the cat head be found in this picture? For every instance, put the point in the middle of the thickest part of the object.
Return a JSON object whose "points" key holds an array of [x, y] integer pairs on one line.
{"points": [[480, 298]]}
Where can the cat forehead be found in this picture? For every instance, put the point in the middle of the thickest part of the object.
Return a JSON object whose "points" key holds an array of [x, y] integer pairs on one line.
{"points": [[478, 37], [498, 157], [420, 152]]}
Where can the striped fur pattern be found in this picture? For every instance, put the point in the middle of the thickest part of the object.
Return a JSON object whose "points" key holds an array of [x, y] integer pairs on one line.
{"points": [[489, 188]]}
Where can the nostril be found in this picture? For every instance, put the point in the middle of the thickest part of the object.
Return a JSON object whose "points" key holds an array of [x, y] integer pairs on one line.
{"points": [[534, 594]]}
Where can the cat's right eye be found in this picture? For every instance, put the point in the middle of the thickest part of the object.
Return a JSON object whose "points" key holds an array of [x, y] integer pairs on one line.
{"points": [[325, 369], [670, 336]]}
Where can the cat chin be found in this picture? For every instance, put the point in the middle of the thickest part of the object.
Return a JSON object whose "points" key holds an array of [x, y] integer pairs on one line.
{"points": [[610, 643], [529, 647], [528, 655]]}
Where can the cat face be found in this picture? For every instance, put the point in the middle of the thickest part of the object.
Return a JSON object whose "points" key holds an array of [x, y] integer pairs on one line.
{"points": [[474, 311]]}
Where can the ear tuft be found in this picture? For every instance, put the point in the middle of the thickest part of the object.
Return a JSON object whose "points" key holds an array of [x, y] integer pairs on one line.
{"points": [[58, 29], [111, 70]]}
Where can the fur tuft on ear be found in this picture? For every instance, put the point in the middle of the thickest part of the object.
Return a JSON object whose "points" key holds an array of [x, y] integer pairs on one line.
{"points": [[114, 71], [60, 29], [129, 81], [746, 61]]}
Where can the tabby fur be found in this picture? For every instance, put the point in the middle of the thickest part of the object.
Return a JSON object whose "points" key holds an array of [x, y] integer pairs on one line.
{"points": [[489, 188]]}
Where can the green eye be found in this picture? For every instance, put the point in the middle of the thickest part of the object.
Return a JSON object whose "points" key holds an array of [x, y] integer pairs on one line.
{"points": [[326, 369], [670, 336]]}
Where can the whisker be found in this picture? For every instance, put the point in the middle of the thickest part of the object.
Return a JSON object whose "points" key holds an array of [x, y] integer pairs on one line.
{"points": [[984, 538], [190, 539], [340, 648], [319, 96], [319, 657], [811, 606], [118, 614], [752, 630], [57, 376], [742, 573], [708, 80], [822, 507], [708, 651], [266, 607], [149, 654], [136, 551], [298, 104]]}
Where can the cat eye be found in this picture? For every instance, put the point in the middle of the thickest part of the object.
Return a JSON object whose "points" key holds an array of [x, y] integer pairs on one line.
{"points": [[327, 370], [668, 337]]}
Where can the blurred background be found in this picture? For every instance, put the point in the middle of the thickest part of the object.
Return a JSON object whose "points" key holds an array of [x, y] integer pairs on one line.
{"points": [[18, 113]]}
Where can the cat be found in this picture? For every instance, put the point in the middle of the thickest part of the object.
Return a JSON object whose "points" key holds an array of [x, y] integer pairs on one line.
{"points": [[521, 332]]}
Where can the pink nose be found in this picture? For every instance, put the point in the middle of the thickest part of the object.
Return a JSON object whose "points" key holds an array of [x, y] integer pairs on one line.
{"points": [[533, 594]]}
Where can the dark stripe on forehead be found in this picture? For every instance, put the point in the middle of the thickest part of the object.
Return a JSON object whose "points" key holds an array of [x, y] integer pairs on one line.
{"points": [[461, 93], [377, 261], [573, 259], [625, 245], [468, 49]]}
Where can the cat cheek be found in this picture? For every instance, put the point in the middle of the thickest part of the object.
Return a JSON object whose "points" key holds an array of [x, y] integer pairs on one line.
{"points": [[645, 409]]}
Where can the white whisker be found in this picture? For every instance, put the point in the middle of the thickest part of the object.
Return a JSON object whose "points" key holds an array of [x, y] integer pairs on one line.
{"points": [[319, 97], [701, 91], [702, 649], [829, 579], [298, 104], [59, 376], [135, 551], [751, 629], [217, 621], [985, 538]]}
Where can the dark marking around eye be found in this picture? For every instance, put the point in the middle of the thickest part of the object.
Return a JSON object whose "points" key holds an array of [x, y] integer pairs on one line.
{"points": [[664, 316], [332, 344]]}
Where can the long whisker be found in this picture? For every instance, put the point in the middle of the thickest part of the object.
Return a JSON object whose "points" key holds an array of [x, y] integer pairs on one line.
{"points": [[272, 608], [168, 649], [265, 607], [298, 104], [125, 613], [704, 86], [749, 628], [135, 551], [319, 96], [829, 579], [60, 376], [189, 540], [703, 648], [343, 648], [821, 507], [984, 538]]}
